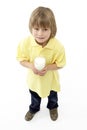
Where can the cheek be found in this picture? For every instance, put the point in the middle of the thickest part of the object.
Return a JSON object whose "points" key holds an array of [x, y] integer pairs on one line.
{"points": [[34, 34], [48, 35]]}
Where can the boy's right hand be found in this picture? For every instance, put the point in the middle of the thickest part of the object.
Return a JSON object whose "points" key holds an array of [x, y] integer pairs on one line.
{"points": [[34, 69]]}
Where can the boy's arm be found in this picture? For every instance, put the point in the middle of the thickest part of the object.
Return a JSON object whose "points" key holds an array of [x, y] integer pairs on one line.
{"points": [[48, 68], [29, 65], [26, 64], [53, 67]]}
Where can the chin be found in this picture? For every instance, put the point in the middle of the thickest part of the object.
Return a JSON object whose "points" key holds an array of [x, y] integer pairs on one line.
{"points": [[40, 42]]}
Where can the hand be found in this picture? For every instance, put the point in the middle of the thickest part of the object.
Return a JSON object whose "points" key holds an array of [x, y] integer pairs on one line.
{"points": [[34, 69], [42, 72], [39, 72]]}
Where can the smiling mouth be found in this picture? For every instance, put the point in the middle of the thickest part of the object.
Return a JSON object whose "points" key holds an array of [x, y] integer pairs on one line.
{"points": [[40, 37]]}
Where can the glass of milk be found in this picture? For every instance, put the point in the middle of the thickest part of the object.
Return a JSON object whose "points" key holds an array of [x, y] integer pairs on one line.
{"points": [[39, 63]]}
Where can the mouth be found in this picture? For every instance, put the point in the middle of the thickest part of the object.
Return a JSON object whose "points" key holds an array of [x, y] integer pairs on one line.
{"points": [[40, 38]]}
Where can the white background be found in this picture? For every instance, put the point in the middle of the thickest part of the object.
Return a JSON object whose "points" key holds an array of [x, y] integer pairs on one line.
{"points": [[71, 17]]}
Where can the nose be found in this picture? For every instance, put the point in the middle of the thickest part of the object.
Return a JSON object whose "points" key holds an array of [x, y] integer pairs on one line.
{"points": [[40, 32]]}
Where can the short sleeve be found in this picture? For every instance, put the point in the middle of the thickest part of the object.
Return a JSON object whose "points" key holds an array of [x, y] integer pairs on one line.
{"points": [[60, 58], [22, 51]]}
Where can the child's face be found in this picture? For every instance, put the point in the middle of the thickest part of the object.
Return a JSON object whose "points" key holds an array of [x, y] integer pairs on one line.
{"points": [[41, 35]]}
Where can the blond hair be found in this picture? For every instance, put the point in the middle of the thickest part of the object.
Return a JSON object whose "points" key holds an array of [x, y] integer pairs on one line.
{"points": [[43, 17]]}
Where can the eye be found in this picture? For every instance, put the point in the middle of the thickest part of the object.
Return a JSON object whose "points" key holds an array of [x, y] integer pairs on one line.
{"points": [[45, 29], [36, 28]]}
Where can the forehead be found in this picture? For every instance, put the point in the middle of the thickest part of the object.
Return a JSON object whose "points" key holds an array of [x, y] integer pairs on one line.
{"points": [[41, 27]]}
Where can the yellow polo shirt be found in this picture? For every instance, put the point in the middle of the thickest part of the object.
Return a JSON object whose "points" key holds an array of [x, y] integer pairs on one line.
{"points": [[53, 52]]}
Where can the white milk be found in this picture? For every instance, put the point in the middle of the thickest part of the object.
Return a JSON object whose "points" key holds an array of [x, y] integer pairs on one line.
{"points": [[39, 63]]}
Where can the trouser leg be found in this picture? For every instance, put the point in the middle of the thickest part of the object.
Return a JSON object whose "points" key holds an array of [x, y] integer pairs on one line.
{"points": [[52, 100], [35, 102]]}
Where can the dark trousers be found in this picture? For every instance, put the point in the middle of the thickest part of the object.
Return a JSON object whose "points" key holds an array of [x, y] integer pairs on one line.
{"points": [[36, 101]]}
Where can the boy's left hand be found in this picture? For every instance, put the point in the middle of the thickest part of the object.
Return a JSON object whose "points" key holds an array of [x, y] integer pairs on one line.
{"points": [[42, 72]]}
